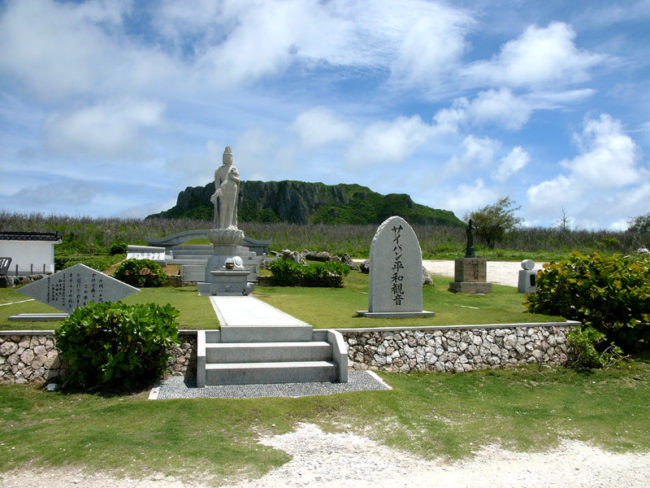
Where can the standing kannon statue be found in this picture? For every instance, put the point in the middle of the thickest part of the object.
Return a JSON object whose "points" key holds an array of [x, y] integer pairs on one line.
{"points": [[226, 190]]}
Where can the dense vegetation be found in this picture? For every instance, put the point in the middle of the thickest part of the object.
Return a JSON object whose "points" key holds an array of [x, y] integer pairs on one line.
{"points": [[290, 273], [84, 237], [141, 273], [298, 202], [115, 345], [609, 295]]}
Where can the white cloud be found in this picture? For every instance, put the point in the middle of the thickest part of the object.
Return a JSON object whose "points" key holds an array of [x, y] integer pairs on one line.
{"points": [[501, 107], [63, 49], [478, 154], [109, 129], [320, 126], [468, 197], [387, 142], [510, 164], [609, 156], [540, 56], [605, 179]]}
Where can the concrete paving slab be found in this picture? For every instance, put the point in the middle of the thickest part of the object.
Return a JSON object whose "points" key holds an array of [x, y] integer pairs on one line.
{"points": [[246, 311]]}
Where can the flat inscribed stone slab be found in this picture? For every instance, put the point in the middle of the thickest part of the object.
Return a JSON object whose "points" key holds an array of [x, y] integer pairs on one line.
{"points": [[395, 272], [77, 286]]}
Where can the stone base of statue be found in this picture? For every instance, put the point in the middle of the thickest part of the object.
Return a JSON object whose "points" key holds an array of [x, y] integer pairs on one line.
{"points": [[225, 274], [470, 276]]}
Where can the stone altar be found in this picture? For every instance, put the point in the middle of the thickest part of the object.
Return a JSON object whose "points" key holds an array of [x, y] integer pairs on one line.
{"points": [[224, 272]]}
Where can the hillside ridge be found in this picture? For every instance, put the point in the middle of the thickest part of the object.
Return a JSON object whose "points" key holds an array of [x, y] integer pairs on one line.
{"points": [[300, 202]]}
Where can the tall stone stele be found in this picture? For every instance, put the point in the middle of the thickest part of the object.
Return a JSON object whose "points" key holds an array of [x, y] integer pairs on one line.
{"points": [[395, 272], [224, 272], [470, 273]]}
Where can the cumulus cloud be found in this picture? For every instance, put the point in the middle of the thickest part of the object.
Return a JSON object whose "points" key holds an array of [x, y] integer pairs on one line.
{"points": [[320, 126], [510, 164], [387, 142], [604, 176], [468, 197], [62, 49], [501, 107], [541, 55], [109, 129]]}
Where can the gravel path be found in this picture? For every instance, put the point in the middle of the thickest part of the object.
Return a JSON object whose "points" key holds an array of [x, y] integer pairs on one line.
{"points": [[322, 460]]}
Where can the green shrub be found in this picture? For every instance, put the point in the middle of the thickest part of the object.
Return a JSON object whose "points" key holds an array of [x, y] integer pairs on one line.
{"points": [[141, 273], [118, 248], [610, 294], [326, 274], [285, 272], [116, 346], [587, 351]]}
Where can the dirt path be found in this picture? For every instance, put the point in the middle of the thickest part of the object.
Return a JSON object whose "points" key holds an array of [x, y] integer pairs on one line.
{"points": [[322, 460]]}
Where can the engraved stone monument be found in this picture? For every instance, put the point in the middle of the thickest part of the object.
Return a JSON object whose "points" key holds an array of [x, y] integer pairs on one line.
{"points": [[77, 286], [395, 272], [224, 272], [470, 273]]}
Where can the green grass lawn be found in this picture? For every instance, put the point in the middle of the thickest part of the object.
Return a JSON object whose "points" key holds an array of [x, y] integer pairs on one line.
{"points": [[336, 307], [432, 415], [195, 312], [321, 307]]}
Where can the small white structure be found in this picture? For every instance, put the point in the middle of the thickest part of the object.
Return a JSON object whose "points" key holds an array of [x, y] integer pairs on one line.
{"points": [[30, 252], [527, 277]]}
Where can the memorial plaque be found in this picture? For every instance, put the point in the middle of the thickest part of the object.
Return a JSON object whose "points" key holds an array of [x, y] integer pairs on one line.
{"points": [[77, 286], [395, 272]]}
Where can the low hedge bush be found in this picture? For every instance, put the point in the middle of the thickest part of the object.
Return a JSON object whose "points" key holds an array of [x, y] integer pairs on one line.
{"points": [[110, 346], [325, 274], [610, 294], [141, 273]]}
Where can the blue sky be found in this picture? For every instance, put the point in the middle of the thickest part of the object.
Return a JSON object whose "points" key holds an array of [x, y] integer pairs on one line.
{"points": [[110, 108]]}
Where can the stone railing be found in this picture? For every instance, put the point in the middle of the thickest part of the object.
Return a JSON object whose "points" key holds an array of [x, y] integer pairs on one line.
{"points": [[457, 348], [30, 356]]}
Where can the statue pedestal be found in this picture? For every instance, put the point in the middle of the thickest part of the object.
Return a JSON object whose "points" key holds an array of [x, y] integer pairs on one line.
{"points": [[218, 279], [470, 275]]}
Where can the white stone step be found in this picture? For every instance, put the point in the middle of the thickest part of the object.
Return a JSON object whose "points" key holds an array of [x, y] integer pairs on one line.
{"points": [[268, 352], [268, 373], [266, 333]]}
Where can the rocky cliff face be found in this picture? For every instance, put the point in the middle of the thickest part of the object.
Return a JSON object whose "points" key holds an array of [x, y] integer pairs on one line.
{"points": [[300, 202]]}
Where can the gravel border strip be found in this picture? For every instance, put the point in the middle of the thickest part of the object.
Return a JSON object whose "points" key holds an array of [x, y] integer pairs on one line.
{"points": [[176, 387]]}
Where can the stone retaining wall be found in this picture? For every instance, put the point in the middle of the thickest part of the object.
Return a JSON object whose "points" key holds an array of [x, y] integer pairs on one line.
{"points": [[31, 356], [457, 349]]}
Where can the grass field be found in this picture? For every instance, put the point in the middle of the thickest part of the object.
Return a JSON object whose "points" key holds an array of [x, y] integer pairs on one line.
{"points": [[432, 415], [321, 307]]}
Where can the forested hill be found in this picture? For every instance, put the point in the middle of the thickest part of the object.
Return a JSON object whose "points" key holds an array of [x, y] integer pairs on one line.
{"points": [[299, 202]]}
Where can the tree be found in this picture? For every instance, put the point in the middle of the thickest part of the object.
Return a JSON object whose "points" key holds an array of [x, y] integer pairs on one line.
{"points": [[493, 221], [640, 224]]}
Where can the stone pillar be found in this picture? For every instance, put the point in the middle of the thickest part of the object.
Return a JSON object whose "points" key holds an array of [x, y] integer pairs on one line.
{"points": [[470, 276]]}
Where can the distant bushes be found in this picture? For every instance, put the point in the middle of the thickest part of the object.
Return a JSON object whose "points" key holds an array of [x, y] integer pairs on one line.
{"points": [[87, 236], [100, 263], [608, 294], [141, 273], [108, 346], [290, 273]]}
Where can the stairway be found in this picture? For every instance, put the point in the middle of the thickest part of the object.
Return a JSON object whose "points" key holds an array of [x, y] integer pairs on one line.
{"points": [[259, 344]]}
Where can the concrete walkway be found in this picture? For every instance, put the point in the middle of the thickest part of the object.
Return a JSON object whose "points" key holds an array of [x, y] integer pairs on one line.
{"points": [[241, 311]]}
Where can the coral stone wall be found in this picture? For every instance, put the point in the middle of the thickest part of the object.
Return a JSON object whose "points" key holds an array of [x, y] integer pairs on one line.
{"points": [[457, 349], [31, 356]]}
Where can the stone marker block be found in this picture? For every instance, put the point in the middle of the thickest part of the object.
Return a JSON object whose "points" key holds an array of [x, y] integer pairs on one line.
{"points": [[77, 286], [470, 276], [395, 272]]}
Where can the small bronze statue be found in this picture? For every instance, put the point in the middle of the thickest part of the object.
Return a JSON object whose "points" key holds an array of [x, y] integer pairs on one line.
{"points": [[469, 251]]}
